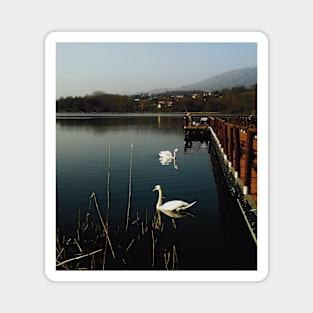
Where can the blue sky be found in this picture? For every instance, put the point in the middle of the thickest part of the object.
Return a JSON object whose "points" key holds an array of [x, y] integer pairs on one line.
{"points": [[128, 68]]}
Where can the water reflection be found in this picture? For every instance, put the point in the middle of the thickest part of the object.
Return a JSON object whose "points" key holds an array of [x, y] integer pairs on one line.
{"points": [[165, 161], [197, 145], [176, 215], [100, 125]]}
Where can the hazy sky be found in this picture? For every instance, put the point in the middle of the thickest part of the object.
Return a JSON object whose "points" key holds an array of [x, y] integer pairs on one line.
{"points": [[128, 68]]}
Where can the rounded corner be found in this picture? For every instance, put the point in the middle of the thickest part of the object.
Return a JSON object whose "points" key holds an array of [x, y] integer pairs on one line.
{"points": [[48, 276], [263, 276], [50, 36], [263, 36]]}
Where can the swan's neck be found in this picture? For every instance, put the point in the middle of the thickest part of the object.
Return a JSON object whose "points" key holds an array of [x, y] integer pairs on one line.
{"points": [[159, 203], [174, 157]]}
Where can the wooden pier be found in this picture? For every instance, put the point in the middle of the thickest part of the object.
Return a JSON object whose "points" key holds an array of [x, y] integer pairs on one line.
{"points": [[234, 141], [239, 144], [196, 130]]}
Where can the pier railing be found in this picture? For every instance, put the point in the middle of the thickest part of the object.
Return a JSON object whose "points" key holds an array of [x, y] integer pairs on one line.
{"points": [[235, 147], [239, 143], [234, 140]]}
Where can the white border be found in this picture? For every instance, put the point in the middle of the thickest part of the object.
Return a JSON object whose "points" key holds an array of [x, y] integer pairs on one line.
{"points": [[50, 156]]}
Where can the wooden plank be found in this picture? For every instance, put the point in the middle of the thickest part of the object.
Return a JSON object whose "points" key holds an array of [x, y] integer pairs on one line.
{"points": [[194, 127]]}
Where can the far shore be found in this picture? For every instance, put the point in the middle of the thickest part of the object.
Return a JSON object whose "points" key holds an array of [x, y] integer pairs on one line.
{"points": [[147, 113]]}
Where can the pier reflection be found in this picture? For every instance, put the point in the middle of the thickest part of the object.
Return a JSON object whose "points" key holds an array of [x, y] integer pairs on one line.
{"points": [[237, 237]]}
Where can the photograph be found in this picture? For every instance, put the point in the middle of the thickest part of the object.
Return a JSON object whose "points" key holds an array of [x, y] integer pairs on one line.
{"points": [[156, 156]]}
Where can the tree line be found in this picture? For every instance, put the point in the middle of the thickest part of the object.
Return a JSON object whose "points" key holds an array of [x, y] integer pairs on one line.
{"points": [[239, 100]]}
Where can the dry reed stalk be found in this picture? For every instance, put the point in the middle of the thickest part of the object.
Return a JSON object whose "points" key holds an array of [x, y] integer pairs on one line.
{"points": [[64, 265], [167, 258], [157, 221], [60, 249], [174, 224], [58, 242], [78, 226], [78, 246], [175, 259], [93, 262], [59, 253], [135, 221], [103, 225], [86, 221], [108, 188], [79, 257], [108, 207], [104, 254], [146, 226], [162, 227], [130, 245], [153, 247], [82, 268], [129, 185]]}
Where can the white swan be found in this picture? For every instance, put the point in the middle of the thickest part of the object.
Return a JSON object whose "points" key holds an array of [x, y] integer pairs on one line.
{"points": [[173, 206], [168, 154]]}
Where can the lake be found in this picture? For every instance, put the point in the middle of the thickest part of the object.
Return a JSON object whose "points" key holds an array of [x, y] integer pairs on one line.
{"points": [[116, 157]]}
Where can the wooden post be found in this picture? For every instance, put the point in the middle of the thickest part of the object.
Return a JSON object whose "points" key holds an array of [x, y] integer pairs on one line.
{"points": [[230, 143], [237, 150], [219, 129], [225, 139], [249, 158]]}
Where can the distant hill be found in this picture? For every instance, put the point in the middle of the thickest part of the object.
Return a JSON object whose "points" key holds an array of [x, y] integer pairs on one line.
{"points": [[245, 77], [242, 77]]}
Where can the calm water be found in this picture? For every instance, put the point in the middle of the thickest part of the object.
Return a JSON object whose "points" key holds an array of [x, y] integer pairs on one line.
{"points": [[215, 238]]}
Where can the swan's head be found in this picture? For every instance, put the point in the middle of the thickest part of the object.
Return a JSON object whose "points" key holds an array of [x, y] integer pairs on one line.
{"points": [[156, 187], [176, 150]]}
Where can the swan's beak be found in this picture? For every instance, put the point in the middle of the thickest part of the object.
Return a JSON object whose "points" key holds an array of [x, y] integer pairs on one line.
{"points": [[154, 189]]}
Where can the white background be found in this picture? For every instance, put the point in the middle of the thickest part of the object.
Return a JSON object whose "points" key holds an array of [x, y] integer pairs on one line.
{"points": [[24, 25]]}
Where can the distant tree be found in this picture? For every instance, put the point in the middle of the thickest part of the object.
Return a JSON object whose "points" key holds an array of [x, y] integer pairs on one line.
{"points": [[234, 100]]}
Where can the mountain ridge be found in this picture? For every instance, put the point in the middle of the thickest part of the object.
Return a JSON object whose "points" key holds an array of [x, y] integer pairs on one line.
{"points": [[245, 77]]}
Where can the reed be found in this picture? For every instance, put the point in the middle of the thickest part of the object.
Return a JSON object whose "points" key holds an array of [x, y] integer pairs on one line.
{"points": [[108, 187], [168, 256], [129, 186], [78, 257], [144, 235], [78, 246], [106, 231], [128, 247], [78, 226], [175, 258], [108, 208], [153, 247]]}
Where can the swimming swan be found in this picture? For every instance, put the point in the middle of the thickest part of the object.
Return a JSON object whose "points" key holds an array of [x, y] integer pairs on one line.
{"points": [[168, 154], [174, 206]]}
